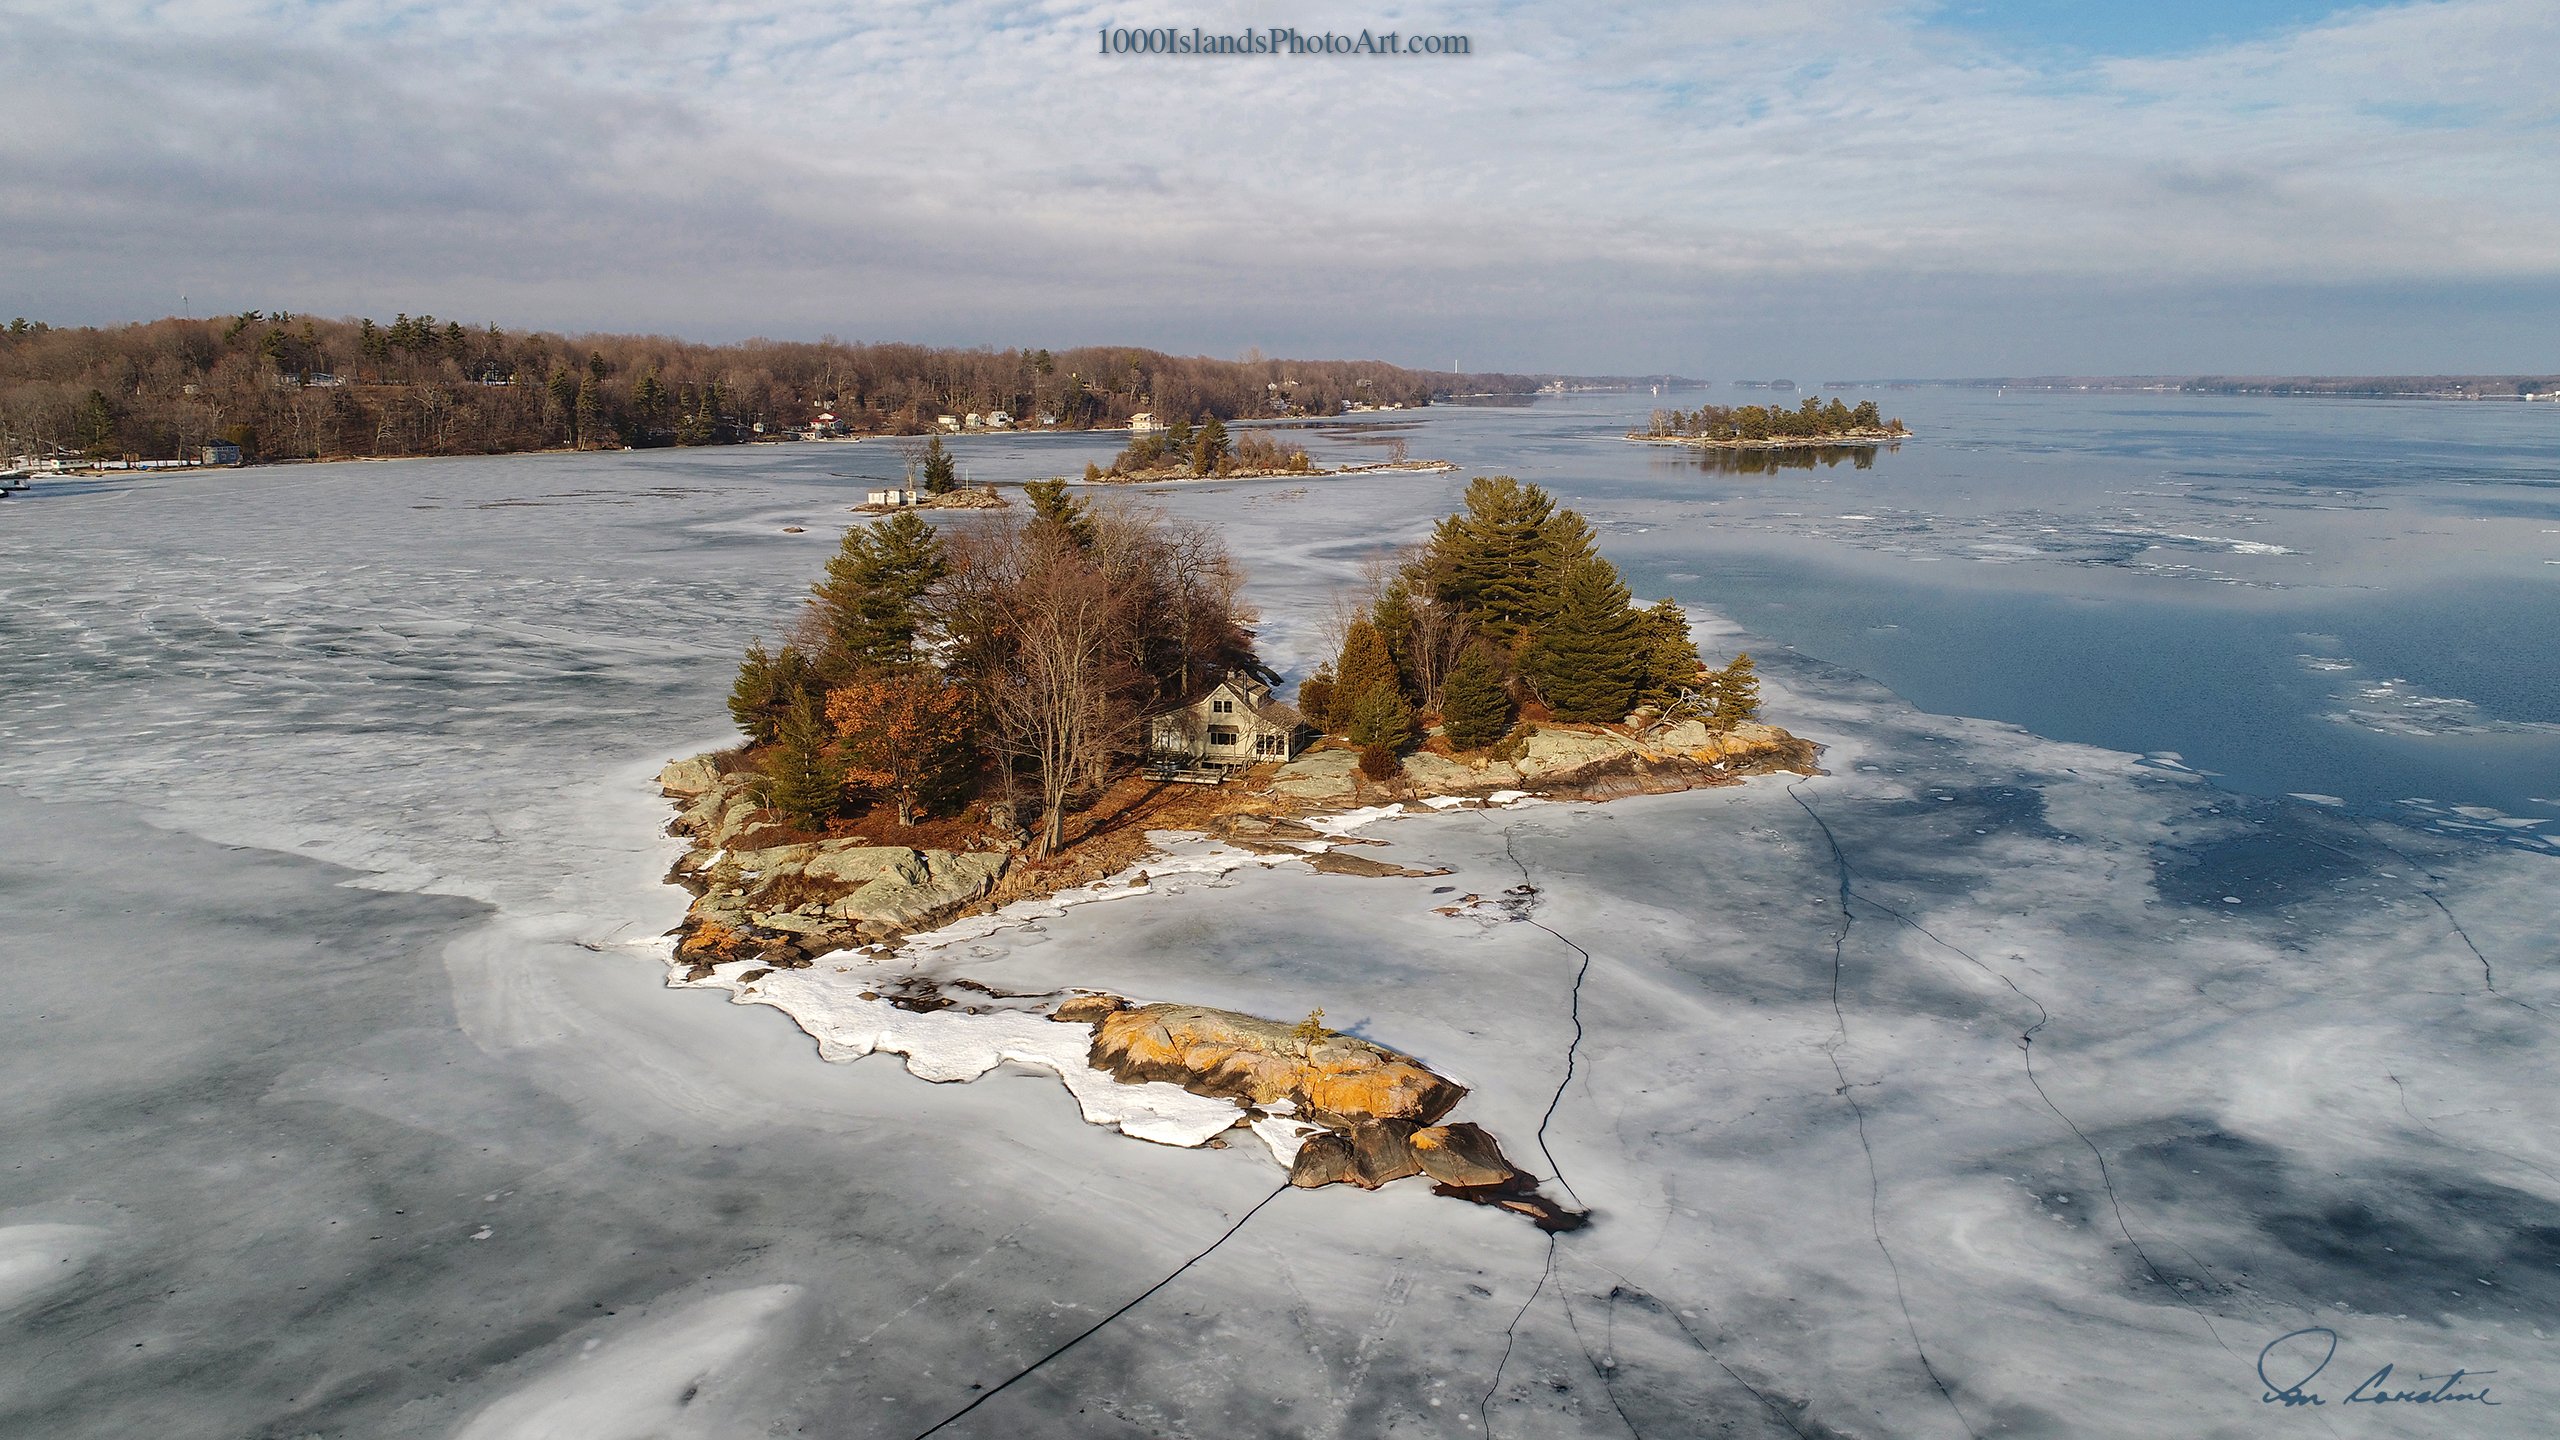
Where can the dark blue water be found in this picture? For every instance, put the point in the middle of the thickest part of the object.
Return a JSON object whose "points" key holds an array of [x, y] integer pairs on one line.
{"points": [[2358, 599]]}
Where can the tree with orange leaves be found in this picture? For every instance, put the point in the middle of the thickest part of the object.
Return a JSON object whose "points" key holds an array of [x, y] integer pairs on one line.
{"points": [[905, 735]]}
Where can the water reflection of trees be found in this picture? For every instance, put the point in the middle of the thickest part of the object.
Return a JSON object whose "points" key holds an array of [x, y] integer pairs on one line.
{"points": [[1793, 457]]}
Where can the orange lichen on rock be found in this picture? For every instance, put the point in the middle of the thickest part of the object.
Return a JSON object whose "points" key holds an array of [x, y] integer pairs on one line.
{"points": [[1334, 1081]]}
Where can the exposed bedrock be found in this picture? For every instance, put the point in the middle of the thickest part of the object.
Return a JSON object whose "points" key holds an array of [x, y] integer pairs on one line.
{"points": [[1378, 1109], [803, 898], [1336, 1081]]}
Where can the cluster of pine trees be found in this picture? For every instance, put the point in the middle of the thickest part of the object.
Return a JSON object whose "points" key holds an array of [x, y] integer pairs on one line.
{"points": [[1205, 449], [1815, 419], [286, 386], [1017, 658], [1509, 603]]}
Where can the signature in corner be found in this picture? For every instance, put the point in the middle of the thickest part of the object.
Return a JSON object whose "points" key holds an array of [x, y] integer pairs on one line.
{"points": [[2374, 1389]]}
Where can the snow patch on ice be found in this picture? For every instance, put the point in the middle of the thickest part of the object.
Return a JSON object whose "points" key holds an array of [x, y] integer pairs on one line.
{"points": [[947, 1046], [37, 1258], [645, 1383]]}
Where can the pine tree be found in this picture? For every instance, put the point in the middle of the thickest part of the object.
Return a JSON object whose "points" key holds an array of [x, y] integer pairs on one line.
{"points": [[1504, 557], [94, 428], [1051, 505], [1475, 709], [1396, 620], [1209, 447], [1589, 658], [1671, 662], [767, 687], [801, 779], [1366, 666], [590, 412], [1315, 698], [872, 601], [941, 472], [1737, 692], [1486, 558], [1382, 719]]}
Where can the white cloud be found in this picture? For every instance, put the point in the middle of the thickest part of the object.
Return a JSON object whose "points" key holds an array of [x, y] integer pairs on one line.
{"points": [[962, 171]]}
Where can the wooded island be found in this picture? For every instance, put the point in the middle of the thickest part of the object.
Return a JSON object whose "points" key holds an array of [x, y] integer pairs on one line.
{"points": [[1815, 422]]}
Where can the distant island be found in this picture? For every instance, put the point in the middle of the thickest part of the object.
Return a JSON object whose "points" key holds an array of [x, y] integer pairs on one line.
{"points": [[1182, 450], [263, 387], [1744, 427]]}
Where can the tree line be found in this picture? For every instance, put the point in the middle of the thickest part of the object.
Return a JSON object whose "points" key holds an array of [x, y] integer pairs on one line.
{"points": [[1815, 419], [1015, 662], [287, 386], [1509, 609]]}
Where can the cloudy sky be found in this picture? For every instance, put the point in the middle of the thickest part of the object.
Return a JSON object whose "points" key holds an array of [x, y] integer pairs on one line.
{"points": [[1819, 188]]}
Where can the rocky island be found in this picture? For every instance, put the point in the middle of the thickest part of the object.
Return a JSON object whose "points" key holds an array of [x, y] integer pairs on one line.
{"points": [[1023, 715]]}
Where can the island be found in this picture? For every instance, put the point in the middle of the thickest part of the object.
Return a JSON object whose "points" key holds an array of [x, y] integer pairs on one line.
{"points": [[1184, 451], [966, 723], [1770, 427]]}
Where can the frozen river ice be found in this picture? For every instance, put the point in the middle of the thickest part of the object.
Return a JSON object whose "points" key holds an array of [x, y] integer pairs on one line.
{"points": [[1992, 1084]]}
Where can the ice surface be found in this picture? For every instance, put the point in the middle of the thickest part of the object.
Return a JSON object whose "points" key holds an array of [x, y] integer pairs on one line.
{"points": [[643, 1383], [1946, 1094]]}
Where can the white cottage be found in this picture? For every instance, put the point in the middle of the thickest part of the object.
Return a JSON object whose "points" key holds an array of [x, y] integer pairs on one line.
{"points": [[1233, 723]]}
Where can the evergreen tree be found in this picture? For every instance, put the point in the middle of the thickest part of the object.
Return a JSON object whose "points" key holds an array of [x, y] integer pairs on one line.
{"points": [[1737, 692], [1396, 620], [590, 412], [1475, 708], [1051, 505], [1315, 698], [1209, 447], [801, 779], [1588, 659], [1671, 661], [1366, 667], [767, 687], [94, 428], [872, 601], [1503, 558], [941, 472], [1383, 720]]}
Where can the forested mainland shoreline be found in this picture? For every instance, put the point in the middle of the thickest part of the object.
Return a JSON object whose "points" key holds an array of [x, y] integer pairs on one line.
{"points": [[263, 387]]}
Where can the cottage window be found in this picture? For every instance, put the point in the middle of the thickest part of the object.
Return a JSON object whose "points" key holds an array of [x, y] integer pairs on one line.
{"points": [[1222, 707], [1223, 735], [1270, 745]]}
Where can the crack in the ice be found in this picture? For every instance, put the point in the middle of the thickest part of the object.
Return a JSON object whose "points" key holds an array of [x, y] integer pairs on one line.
{"points": [[1510, 1339], [1087, 1333], [1875, 1182], [2488, 975], [2026, 1049], [1608, 1386], [1573, 1050], [1626, 1286]]}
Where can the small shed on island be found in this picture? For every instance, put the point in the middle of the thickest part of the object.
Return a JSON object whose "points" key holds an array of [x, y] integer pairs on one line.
{"points": [[1233, 723]]}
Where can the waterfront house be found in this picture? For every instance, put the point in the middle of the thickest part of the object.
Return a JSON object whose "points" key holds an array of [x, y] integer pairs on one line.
{"points": [[1233, 723], [1143, 423], [892, 499], [222, 452]]}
